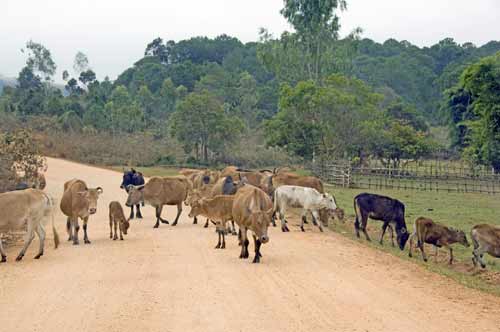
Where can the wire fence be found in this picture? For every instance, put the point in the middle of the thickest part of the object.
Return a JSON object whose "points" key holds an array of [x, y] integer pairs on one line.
{"points": [[427, 176]]}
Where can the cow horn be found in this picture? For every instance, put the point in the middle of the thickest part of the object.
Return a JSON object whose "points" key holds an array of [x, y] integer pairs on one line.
{"points": [[99, 190]]}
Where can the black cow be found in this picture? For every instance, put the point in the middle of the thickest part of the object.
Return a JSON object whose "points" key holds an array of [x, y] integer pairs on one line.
{"points": [[383, 208], [133, 178]]}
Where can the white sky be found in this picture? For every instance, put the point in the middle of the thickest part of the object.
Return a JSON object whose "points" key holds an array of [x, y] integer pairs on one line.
{"points": [[114, 33]]}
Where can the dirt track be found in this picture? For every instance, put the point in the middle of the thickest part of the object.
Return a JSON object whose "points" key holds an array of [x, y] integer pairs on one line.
{"points": [[171, 279]]}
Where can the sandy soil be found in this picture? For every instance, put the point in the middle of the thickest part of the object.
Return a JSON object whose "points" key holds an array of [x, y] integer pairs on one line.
{"points": [[171, 279]]}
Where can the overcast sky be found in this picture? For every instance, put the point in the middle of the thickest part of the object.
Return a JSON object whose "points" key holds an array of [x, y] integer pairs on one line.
{"points": [[114, 33]]}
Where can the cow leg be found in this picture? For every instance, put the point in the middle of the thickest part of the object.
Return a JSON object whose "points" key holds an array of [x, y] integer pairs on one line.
{"points": [[195, 220], [138, 211], [121, 234], [315, 217], [27, 241], [410, 253], [76, 228], [284, 227], [164, 221], [233, 230], [257, 244], [41, 236], [384, 227], [239, 237], [223, 246], [364, 221], [157, 213], [219, 242], [110, 227], [179, 211], [451, 254], [206, 224], [303, 220], [2, 252], [244, 243], [115, 226], [69, 229], [131, 212], [421, 247], [274, 219], [392, 235], [85, 236]]}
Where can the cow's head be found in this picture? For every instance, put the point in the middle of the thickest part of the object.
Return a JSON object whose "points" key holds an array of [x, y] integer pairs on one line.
{"points": [[328, 202], [135, 195], [260, 222], [195, 208], [124, 225], [90, 196], [192, 196], [460, 237], [402, 237]]}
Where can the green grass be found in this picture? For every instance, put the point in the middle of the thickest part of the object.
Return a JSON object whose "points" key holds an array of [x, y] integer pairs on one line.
{"points": [[459, 210]]}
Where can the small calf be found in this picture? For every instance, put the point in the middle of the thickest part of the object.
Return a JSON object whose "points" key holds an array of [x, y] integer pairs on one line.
{"points": [[486, 239], [219, 209], [326, 214], [117, 218], [427, 231]]}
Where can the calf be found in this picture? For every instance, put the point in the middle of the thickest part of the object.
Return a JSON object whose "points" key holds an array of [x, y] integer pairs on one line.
{"points": [[117, 219], [381, 208], [486, 238], [309, 199], [219, 209], [427, 231], [326, 214]]}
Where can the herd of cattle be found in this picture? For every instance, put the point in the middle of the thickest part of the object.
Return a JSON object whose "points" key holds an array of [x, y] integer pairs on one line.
{"points": [[250, 199]]}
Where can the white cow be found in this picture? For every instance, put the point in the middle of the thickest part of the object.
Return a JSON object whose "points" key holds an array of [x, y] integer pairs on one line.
{"points": [[26, 207], [309, 199]]}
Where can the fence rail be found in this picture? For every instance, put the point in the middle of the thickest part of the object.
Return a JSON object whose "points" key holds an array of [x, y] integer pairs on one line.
{"points": [[430, 177]]}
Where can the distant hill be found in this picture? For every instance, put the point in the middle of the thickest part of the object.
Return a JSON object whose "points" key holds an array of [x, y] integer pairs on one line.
{"points": [[6, 81]]}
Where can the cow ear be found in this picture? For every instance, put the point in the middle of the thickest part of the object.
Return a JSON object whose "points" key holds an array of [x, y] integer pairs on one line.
{"points": [[403, 230], [99, 190]]}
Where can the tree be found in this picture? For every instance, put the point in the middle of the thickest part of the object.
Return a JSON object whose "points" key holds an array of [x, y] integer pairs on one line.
{"points": [[316, 24], [40, 60], [81, 63], [475, 107], [200, 124]]}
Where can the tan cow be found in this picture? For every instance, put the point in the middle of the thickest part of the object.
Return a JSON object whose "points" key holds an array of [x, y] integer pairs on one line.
{"points": [[26, 207], [117, 220], [219, 209], [188, 171], [252, 210], [285, 178], [78, 201], [428, 231], [486, 239], [160, 191]]}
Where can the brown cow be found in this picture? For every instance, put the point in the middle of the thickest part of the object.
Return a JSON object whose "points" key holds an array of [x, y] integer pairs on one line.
{"points": [[428, 231], [160, 191], [188, 171], [117, 219], [217, 209], [486, 238], [285, 178], [26, 208], [326, 214], [252, 210], [78, 201]]}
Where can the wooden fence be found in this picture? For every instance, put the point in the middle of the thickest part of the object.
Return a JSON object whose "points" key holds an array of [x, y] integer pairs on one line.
{"points": [[446, 177]]}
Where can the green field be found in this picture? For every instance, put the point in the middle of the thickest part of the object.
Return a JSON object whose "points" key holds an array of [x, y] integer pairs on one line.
{"points": [[459, 210]]}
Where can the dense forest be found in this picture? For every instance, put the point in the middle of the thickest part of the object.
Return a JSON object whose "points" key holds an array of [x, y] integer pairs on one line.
{"points": [[304, 95]]}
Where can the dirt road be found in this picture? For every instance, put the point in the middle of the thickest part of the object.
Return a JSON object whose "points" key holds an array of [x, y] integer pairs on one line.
{"points": [[171, 279]]}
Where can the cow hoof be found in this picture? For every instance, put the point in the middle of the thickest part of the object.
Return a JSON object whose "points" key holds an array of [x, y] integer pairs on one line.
{"points": [[302, 228], [155, 226], [165, 222], [38, 256], [174, 224], [425, 260], [206, 226], [86, 241], [256, 259], [139, 217], [4, 259], [115, 238], [321, 230], [121, 239], [18, 258], [234, 233], [75, 243]]}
